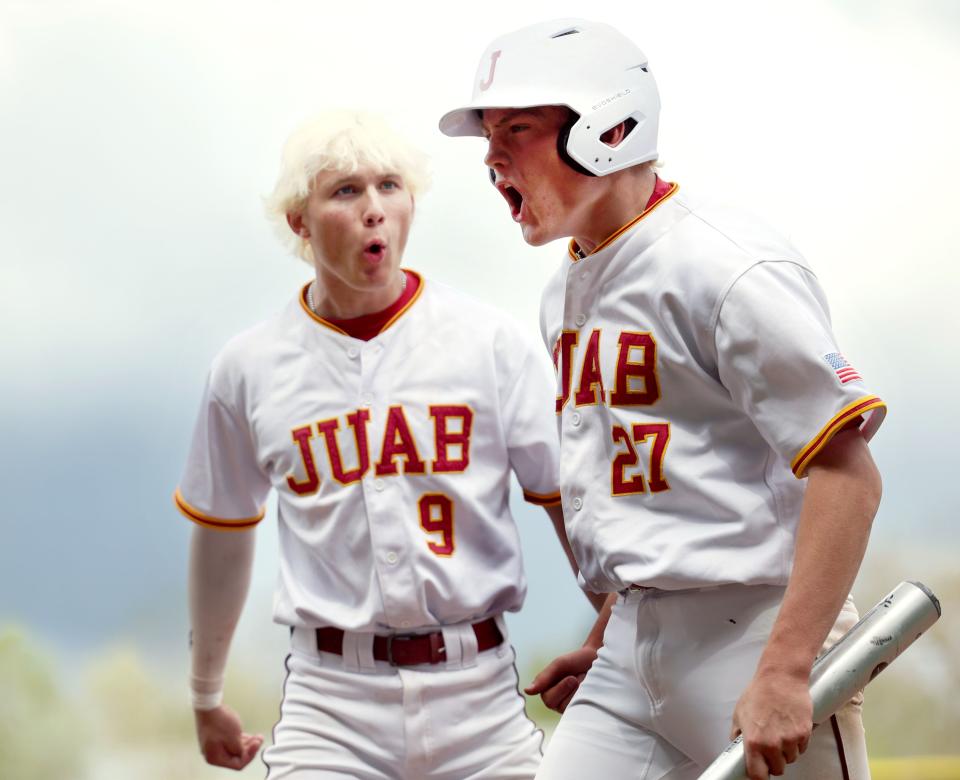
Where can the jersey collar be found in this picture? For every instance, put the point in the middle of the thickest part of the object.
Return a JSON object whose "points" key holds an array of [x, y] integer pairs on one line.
{"points": [[402, 306], [661, 191]]}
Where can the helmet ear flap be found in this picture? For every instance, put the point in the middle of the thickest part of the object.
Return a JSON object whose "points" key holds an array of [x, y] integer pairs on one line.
{"points": [[562, 137]]}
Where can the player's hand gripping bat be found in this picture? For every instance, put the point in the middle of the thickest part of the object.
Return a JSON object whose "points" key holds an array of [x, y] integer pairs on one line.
{"points": [[860, 655]]}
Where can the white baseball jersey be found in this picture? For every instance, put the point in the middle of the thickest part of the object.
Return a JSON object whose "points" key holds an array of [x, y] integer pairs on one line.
{"points": [[698, 376], [391, 459]]}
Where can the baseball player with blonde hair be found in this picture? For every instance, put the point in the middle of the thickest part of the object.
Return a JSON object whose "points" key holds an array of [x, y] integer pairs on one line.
{"points": [[715, 472], [388, 412]]}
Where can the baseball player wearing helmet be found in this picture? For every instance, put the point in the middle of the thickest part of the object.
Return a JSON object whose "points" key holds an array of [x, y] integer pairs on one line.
{"points": [[715, 473], [387, 411]]}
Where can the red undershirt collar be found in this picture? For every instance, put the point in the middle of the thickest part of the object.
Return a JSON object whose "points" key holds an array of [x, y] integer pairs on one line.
{"points": [[367, 326]]}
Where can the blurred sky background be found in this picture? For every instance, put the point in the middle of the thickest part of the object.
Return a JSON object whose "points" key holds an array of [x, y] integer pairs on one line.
{"points": [[136, 142]]}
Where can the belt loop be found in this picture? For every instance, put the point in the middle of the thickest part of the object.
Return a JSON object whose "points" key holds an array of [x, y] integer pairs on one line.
{"points": [[304, 641], [468, 645], [502, 625], [365, 657], [351, 651], [454, 650]]}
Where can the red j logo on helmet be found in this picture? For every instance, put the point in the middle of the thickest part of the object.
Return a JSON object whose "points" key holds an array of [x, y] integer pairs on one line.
{"points": [[485, 84]]}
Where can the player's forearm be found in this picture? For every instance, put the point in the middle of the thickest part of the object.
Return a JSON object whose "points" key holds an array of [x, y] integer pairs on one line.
{"points": [[221, 564], [597, 600], [840, 502], [595, 637]]}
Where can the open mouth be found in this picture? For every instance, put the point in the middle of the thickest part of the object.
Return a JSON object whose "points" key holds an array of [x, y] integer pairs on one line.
{"points": [[374, 250], [514, 199]]}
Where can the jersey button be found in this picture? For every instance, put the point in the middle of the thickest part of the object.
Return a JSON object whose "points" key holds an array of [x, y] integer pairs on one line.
{"points": [[379, 484], [577, 503], [575, 419], [391, 557], [353, 352], [580, 320], [367, 400]]}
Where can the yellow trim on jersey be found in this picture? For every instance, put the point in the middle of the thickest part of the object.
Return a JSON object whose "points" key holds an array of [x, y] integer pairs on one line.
{"points": [[410, 303], [198, 517], [541, 499], [327, 324], [620, 231], [842, 418], [314, 316]]}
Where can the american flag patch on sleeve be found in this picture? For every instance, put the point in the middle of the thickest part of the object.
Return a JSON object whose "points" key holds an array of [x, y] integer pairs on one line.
{"points": [[844, 371]]}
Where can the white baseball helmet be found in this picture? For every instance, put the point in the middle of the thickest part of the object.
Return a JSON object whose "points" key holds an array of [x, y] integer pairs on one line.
{"points": [[589, 67]]}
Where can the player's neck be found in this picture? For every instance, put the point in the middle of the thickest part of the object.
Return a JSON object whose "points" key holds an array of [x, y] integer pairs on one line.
{"points": [[624, 195], [334, 300]]}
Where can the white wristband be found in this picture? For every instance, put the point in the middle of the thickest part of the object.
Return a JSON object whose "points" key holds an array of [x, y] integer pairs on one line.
{"points": [[206, 701]]}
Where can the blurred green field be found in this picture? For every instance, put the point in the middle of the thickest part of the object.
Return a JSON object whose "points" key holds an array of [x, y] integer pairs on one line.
{"points": [[916, 768]]}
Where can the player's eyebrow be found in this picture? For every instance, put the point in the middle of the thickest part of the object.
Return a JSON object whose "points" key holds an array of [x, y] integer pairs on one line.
{"points": [[514, 114], [343, 178], [352, 178], [511, 116]]}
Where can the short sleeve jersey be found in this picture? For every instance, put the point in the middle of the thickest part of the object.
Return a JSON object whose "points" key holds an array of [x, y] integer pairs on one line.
{"points": [[391, 459], [698, 375]]}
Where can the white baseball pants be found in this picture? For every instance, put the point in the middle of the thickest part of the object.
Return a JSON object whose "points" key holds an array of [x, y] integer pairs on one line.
{"points": [[353, 717], [659, 699]]}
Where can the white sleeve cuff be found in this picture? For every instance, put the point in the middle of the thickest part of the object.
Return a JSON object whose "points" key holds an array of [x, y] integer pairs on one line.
{"points": [[206, 701]]}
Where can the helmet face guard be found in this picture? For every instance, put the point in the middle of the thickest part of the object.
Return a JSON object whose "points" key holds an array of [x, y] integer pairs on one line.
{"points": [[590, 68]]}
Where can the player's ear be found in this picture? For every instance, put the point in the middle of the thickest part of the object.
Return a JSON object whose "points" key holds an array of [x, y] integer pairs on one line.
{"points": [[295, 221], [615, 135]]}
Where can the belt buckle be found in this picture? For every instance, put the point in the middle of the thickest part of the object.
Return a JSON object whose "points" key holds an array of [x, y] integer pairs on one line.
{"points": [[435, 638], [634, 588], [390, 638]]}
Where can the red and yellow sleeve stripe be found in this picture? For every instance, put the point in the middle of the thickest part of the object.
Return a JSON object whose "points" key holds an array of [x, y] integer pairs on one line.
{"points": [[837, 423], [542, 499], [207, 521]]}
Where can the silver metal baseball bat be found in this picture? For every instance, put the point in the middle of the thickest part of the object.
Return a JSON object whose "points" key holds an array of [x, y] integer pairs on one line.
{"points": [[860, 655]]}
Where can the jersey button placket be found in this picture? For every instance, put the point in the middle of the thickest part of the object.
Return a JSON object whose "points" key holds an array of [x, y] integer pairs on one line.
{"points": [[369, 358], [393, 570]]}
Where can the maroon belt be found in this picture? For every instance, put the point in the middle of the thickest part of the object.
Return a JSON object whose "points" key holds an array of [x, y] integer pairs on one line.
{"points": [[411, 649]]}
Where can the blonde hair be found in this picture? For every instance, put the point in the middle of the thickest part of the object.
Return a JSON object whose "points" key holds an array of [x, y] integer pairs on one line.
{"points": [[338, 141]]}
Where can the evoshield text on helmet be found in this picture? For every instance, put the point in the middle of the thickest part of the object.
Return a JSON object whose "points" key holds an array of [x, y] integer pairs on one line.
{"points": [[589, 67]]}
